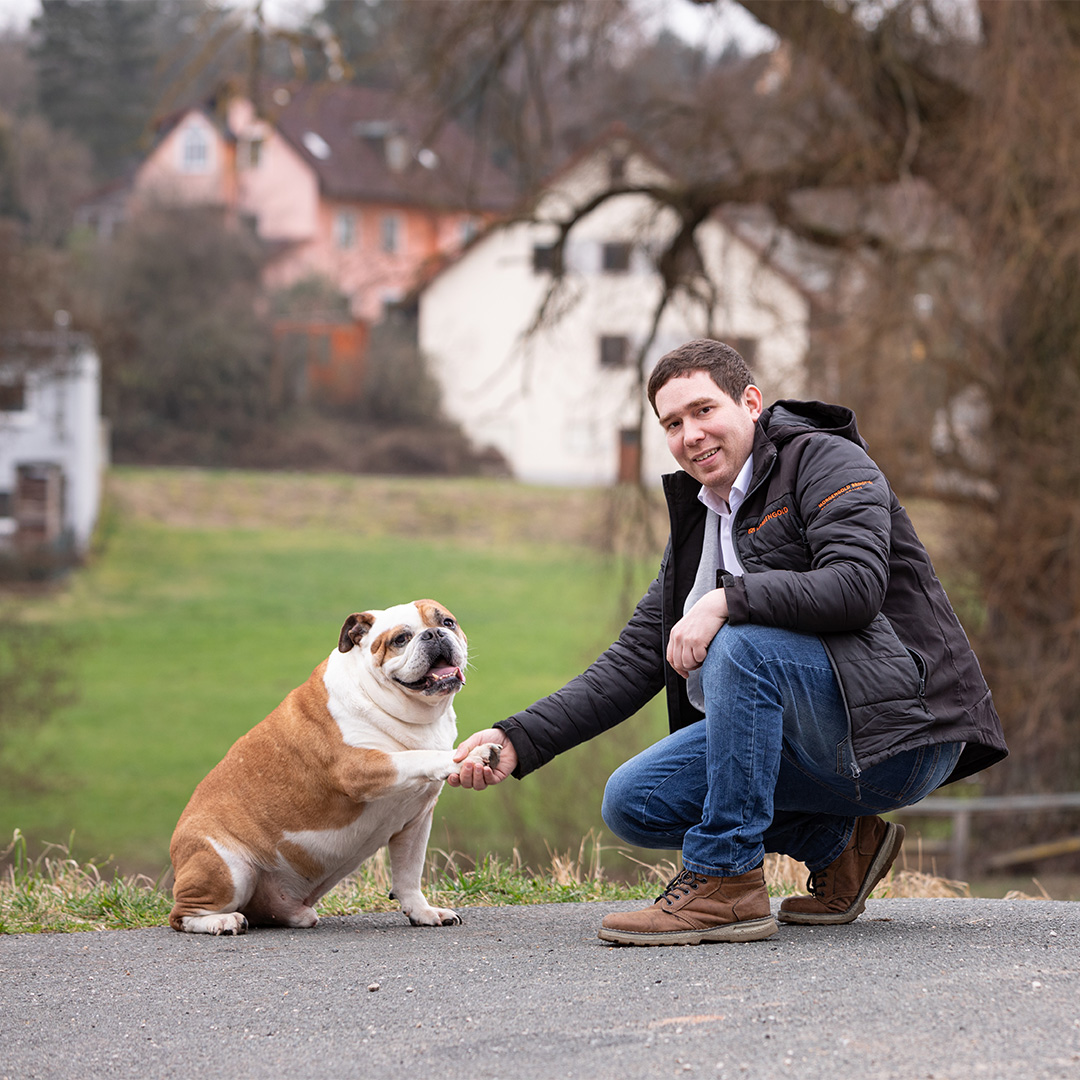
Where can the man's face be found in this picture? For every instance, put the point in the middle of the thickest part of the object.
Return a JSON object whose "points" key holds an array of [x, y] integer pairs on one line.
{"points": [[708, 434]]}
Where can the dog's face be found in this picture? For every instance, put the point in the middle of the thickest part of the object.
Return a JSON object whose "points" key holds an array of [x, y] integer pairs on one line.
{"points": [[416, 648]]}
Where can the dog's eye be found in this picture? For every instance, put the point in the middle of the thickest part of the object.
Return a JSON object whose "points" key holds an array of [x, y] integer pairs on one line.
{"points": [[401, 640], [449, 622]]}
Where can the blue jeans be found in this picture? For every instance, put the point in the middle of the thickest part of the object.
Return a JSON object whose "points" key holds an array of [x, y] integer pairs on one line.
{"points": [[768, 769]]}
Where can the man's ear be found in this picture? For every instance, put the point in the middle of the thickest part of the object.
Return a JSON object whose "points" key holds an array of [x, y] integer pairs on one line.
{"points": [[356, 626], [754, 401]]}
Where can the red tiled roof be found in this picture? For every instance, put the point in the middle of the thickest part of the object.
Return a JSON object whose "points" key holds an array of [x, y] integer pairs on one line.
{"points": [[446, 168]]}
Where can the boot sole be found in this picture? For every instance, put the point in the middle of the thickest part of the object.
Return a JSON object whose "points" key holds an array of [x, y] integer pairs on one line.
{"points": [[749, 930], [884, 857]]}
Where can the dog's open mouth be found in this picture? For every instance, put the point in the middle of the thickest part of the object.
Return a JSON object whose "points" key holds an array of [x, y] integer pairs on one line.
{"points": [[441, 679]]}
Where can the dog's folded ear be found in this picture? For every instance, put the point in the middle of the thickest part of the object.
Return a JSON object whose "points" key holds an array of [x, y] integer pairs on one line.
{"points": [[356, 626]]}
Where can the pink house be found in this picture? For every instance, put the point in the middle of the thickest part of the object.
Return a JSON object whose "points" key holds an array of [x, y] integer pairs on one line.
{"points": [[348, 183]]}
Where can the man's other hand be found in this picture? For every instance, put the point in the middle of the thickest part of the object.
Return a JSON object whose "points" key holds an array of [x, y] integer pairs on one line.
{"points": [[692, 635]]}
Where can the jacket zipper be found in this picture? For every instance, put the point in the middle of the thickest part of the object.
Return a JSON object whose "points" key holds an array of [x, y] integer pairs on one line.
{"points": [[853, 763]]}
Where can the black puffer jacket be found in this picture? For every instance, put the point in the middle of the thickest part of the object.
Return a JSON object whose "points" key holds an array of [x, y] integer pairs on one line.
{"points": [[827, 549]]}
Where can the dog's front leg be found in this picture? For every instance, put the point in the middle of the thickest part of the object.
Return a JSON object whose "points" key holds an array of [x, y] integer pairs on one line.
{"points": [[439, 764], [407, 851], [367, 774]]}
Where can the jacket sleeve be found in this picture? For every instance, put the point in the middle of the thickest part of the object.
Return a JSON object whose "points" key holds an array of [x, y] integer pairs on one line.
{"points": [[616, 685], [837, 577]]}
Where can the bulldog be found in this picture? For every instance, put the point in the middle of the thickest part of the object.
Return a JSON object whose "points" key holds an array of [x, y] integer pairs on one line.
{"points": [[351, 761]]}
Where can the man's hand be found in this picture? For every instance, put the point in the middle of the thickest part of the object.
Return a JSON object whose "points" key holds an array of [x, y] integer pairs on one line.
{"points": [[479, 777], [692, 635]]}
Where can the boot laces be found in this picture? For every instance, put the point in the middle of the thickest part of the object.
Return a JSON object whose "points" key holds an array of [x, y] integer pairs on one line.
{"points": [[818, 882], [682, 884]]}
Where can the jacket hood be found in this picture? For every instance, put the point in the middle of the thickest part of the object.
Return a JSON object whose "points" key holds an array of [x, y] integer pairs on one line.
{"points": [[783, 420]]}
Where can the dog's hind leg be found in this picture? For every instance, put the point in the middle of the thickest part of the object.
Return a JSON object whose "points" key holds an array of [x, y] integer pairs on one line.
{"points": [[407, 851], [212, 885]]}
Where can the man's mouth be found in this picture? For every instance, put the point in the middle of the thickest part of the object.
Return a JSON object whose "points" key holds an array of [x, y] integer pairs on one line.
{"points": [[706, 456]]}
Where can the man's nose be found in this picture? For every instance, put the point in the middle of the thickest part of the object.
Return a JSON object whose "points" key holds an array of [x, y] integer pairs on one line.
{"points": [[692, 432]]}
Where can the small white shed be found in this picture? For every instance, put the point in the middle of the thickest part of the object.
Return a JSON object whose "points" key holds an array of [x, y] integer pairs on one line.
{"points": [[52, 443]]}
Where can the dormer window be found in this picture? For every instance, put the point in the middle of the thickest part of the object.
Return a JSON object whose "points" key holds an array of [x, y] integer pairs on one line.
{"points": [[315, 145], [195, 149], [397, 152]]}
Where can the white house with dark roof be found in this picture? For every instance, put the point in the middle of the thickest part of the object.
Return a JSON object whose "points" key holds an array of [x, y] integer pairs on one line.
{"points": [[563, 401]]}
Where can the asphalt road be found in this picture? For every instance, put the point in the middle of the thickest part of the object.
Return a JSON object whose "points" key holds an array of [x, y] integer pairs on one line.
{"points": [[958, 989]]}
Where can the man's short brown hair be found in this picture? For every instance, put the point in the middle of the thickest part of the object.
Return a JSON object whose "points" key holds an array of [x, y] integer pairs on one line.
{"points": [[721, 362]]}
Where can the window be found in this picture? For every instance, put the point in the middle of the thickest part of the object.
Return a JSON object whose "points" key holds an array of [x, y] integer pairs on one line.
{"points": [[319, 350], [345, 229], [746, 347], [543, 258], [13, 396], [195, 149], [469, 228], [250, 152], [614, 350], [629, 455], [615, 258], [391, 233]]}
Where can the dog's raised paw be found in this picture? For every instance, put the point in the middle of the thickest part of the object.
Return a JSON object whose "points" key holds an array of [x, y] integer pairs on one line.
{"points": [[486, 754]]}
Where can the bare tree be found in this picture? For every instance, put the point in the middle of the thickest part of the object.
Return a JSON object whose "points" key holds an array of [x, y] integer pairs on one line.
{"points": [[981, 113], [935, 160]]}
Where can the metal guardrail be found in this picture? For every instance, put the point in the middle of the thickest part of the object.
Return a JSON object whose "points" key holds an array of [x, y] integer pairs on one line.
{"points": [[961, 811]]}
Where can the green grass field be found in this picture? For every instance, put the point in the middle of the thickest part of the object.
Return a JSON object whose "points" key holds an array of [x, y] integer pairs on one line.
{"points": [[185, 635]]}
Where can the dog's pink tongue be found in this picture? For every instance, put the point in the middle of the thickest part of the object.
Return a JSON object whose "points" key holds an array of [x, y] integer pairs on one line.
{"points": [[442, 672]]}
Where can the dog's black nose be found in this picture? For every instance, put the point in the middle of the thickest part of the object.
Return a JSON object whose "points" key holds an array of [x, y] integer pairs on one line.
{"points": [[429, 634]]}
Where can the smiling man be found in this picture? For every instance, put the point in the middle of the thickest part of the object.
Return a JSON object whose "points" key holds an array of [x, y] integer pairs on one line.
{"points": [[815, 673]]}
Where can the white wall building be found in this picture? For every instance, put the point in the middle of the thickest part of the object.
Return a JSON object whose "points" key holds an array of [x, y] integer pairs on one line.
{"points": [[52, 443], [562, 403]]}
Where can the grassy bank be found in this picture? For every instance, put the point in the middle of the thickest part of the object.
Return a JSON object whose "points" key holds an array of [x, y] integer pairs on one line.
{"points": [[213, 594]]}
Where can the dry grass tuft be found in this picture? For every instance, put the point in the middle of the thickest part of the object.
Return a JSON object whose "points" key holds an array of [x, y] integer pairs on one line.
{"points": [[786, 876]]}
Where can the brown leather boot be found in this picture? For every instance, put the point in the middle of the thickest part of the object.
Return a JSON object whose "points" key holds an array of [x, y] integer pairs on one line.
{"points": [[838, 893], [695, 909]]}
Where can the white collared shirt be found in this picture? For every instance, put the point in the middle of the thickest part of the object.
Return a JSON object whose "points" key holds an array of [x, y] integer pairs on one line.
{"points": [[726, 510]]}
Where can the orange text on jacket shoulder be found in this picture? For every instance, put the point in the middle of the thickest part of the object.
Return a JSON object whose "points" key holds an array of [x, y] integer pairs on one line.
{"points": [[847, 487]]}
